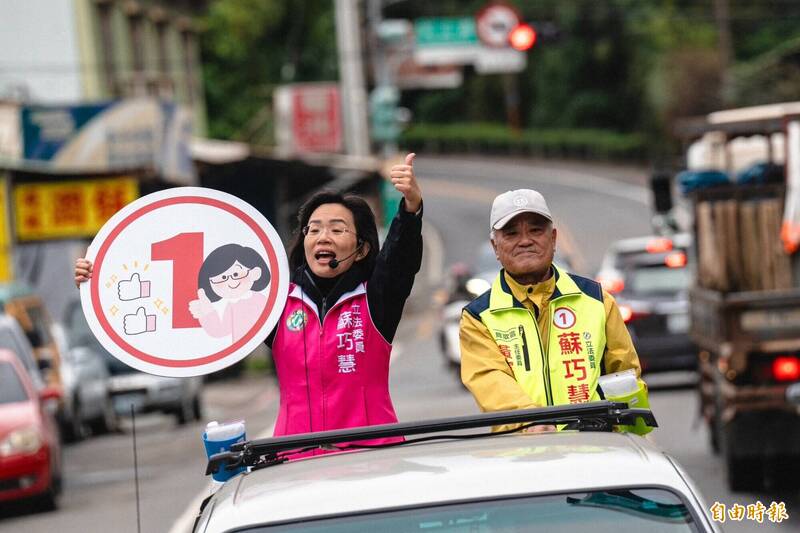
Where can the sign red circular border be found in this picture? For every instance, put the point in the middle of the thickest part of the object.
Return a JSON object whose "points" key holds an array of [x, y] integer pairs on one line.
{"points": [[570, 311], [98, 265], [483, 12]]}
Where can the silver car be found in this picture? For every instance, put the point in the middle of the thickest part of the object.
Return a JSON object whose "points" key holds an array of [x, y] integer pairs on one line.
{"points": [[13, 338], [598, 482], [88, 407], [650, 277], [130, 389]]}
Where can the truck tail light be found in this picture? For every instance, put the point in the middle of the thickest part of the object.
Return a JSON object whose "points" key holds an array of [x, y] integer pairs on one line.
{"points": [[786, 368]]}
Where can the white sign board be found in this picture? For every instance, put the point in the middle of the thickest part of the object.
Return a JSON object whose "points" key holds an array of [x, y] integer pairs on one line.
{"points": [[185, 282], [448, 42], [486, 60]]}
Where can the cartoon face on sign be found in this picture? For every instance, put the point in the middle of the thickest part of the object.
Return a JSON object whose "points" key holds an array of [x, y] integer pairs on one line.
{"points": [[185, 282], [231, 274]]}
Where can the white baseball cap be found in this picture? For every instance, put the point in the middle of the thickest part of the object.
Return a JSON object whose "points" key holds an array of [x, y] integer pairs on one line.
{"points": [[511, 203]]}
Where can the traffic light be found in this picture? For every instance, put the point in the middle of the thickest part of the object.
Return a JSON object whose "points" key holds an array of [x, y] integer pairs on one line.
{"points": [[523, 37]]}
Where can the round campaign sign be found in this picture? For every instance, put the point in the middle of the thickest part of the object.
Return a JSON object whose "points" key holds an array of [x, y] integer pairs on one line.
{"points": [[185, 282]]}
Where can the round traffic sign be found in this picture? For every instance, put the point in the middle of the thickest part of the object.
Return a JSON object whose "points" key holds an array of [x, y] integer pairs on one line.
{"points": [[185, 282], [494, 23]]}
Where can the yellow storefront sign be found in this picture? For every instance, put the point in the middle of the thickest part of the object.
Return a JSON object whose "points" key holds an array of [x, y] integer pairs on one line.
{"points": [[6, 272], [69, 209]]}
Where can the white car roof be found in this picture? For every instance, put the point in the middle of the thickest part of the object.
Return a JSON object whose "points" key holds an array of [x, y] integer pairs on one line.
{"points": [[440, 472]]}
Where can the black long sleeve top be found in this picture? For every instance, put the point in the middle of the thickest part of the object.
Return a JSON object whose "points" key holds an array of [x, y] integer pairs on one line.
{"points": [[388, 285]]}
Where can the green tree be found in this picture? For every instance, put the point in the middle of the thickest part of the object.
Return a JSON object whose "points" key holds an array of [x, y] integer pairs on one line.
{"points": [[249, 46]]}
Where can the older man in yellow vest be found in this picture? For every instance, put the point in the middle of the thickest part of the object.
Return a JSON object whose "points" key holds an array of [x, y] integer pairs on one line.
{"points": [[540, 336]]}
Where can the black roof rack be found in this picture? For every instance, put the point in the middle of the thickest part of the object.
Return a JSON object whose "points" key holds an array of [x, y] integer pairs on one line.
{"points": [[594, 416]]}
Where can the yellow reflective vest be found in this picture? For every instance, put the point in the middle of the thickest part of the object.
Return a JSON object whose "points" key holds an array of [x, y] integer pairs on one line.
{"points": [[566, 370]]}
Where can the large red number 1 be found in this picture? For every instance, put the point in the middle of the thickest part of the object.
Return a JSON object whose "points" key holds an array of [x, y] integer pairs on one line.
{"points": [[185, 250]]}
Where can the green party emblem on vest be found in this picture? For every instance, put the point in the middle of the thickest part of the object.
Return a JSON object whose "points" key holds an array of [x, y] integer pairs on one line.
{"points": [[296, 320]]}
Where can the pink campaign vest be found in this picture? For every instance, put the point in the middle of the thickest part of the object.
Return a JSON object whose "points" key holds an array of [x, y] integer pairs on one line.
{"points": [[333, 375]]}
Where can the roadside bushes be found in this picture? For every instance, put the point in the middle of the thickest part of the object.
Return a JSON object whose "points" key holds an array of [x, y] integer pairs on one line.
{"points": [[490, 138]]}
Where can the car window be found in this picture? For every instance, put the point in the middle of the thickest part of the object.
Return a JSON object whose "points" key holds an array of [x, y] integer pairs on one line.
{"points": [[39, 335], [9, 341], [617, 511], [80, 335], [486, 260], [657, 280], [78, 332], [11, 389]]}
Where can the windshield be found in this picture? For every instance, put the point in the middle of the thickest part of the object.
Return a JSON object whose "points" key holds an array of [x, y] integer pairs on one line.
{"points": [[79, 334], [486, 260], [11, 389], [657, 280], [9, 342], [651, 510]]}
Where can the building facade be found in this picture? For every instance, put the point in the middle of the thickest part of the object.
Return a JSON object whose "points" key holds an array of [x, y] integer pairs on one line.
{"points": [[66, 51]]}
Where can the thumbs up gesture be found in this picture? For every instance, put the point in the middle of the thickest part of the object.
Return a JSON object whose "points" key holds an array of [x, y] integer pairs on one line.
{"points": [[202, 306], [139, 322], [134, 288], [405, 181]]}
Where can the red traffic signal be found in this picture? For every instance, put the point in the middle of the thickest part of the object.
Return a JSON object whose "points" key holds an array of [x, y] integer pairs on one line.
{"points": [[522, 37]]}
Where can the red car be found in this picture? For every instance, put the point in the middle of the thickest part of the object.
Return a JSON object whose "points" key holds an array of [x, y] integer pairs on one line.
{"points": [[30, 453]]}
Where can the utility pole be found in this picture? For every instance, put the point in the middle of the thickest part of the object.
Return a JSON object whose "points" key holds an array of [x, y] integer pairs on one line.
{"points": [[351, 78], [722, 16]]}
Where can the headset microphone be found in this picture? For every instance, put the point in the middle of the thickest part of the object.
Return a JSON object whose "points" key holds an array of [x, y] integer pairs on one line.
{"points": [[333, 263]]}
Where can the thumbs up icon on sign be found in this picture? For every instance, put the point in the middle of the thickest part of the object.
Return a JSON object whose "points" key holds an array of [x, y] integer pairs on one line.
{"points": [[139, 323], [202, 306], [133, 289]]}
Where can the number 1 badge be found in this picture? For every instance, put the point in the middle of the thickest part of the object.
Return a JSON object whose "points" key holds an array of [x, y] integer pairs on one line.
{"points": [[185, 282]]}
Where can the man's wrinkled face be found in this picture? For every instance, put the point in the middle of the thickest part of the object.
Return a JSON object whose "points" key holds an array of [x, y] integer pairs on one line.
{"points": [[525, 246]]}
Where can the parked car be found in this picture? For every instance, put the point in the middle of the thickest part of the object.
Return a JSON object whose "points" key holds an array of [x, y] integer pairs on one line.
{"points": [[129, 388], [595, 481], [12, 338], [19, 301], [650, 279], [465, 283], [30, 453], [88, 406]]}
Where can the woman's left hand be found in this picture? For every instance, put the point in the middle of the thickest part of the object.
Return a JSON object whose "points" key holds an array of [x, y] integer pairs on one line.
{"points": [[404, 181]]}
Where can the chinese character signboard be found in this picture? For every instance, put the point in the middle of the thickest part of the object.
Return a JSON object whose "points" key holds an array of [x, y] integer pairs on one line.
{"points": [[6, 271], [185, 282], [309, 117], [44, 211]]}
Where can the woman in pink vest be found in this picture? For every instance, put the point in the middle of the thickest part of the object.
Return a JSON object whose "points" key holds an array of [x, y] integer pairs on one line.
{"points": [[332, 343]]}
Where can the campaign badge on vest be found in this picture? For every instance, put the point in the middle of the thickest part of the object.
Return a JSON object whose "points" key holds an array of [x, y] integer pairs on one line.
{"points": [[564, 318], [185, 282], [296, 320]]}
